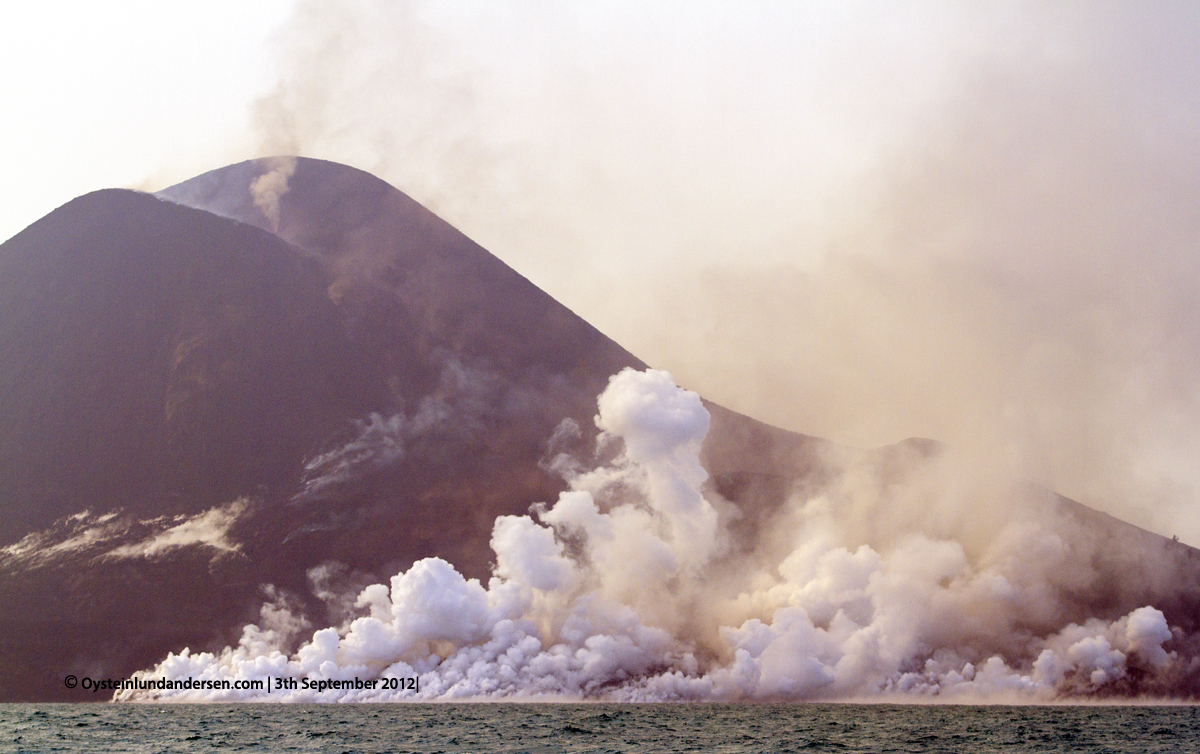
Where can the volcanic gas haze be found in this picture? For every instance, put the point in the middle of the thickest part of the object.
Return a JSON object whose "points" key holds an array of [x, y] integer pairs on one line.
{"points": [[280, 421], [630, 587]]}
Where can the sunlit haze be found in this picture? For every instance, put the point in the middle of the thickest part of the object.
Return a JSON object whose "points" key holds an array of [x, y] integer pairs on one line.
{"points": [[864, 221]]}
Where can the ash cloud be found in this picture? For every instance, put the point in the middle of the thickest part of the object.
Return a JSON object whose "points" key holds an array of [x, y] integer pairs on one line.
{"points": [[627, 588]]}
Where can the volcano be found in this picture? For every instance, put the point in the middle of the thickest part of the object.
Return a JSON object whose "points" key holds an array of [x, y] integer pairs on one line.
{"points": [[285, 380]]}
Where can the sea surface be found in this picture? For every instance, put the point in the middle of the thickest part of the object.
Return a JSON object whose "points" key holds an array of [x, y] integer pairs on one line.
{"points": [[709, 728]]}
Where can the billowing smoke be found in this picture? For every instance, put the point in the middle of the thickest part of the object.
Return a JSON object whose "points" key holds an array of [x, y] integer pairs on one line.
{"points": [[966, 222], [270, 187], [631, 587]]}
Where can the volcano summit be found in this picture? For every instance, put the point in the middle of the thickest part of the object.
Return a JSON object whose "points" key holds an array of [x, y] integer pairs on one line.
{"points": [[233, 410]]}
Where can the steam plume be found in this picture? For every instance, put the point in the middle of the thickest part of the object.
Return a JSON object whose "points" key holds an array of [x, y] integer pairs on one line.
{"points": [[627, 587], [972, 223], [270, 187]]}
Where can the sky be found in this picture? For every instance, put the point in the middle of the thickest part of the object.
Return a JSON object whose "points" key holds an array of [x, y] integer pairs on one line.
{"points": [[860, 220]]}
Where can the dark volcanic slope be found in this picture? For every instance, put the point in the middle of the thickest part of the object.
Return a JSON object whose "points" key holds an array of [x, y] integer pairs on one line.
{"points": [[146, 349], [202, 395], [377, 394], [382, 247], [146, 346], [468, 368]]}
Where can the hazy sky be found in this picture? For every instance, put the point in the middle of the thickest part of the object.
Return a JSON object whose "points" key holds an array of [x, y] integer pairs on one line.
{"points": [[117, 94], [867, 221]]}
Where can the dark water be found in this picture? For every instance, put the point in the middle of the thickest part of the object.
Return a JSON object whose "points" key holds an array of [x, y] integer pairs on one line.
{"points": [[709, 728]]}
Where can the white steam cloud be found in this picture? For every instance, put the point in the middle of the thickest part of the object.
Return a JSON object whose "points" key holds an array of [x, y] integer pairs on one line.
{"points": [[208, 529], [117, 534], [628, 588]]}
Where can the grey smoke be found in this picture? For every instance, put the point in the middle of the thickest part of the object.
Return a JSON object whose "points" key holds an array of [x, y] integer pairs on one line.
{"points": [[270, 187], [972, 223]]}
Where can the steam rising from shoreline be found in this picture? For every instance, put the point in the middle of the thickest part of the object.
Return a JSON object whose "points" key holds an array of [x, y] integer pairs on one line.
{"points": [[629, 587]]}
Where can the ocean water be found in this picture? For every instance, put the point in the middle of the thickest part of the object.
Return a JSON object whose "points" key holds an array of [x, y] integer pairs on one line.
{"points": [[708, 728]]}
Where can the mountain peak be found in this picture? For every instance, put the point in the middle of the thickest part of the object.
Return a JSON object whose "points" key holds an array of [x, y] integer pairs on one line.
{"points": [[287, 378]]}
